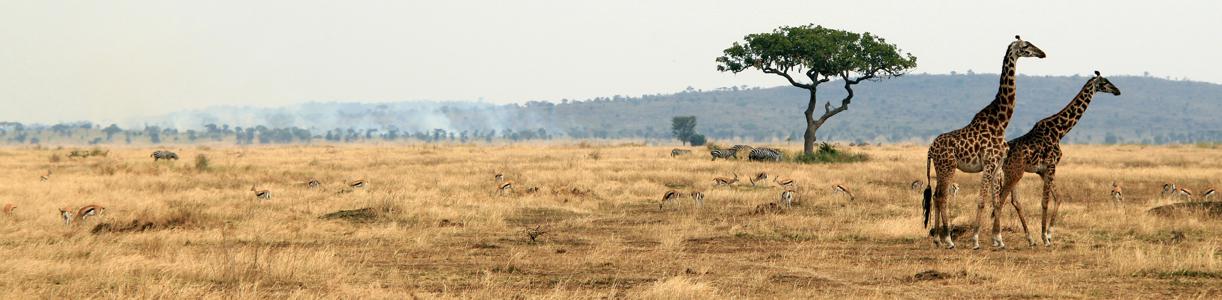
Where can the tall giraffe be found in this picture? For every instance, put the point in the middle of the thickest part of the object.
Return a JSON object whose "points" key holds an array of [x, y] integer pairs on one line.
{"points": [[1039, 151], [979, 146]]}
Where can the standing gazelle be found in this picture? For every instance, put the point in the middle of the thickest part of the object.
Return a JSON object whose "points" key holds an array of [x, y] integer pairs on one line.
{"points": [[1208, 194], [313, 183], [8, 209], [785, 183], [504, 186], [668, 197], [358, 184], [1117, 192], [787, 198], [89, 211], [67, 213], [698, 198], [45, 177], [261, 194]]}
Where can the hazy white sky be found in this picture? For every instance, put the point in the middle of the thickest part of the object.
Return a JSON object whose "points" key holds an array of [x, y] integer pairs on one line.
{"points": [[110, 60]]}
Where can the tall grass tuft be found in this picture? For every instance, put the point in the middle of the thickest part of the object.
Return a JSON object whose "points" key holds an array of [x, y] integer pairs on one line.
{"points": [[202, 163]]}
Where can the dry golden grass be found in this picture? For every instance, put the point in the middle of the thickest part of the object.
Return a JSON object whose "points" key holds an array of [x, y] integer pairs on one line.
{"points": [[439, 230]]}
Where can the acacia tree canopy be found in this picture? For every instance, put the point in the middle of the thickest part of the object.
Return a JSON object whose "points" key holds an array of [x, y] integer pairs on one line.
{"points": [[820, 54]]}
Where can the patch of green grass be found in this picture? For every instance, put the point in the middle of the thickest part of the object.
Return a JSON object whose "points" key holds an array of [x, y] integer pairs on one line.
{"points": [[828, 154]]}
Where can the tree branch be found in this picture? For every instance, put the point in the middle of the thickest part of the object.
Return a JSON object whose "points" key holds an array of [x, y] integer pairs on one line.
{"points": [[770, 70]]}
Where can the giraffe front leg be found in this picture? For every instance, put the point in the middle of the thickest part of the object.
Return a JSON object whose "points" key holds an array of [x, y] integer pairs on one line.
{"points": [[987, 181]]}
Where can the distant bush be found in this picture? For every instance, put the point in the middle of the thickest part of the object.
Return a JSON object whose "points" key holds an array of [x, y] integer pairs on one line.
{"points": [[829, 154], [56, 158], [201, 163], [697, 140]]}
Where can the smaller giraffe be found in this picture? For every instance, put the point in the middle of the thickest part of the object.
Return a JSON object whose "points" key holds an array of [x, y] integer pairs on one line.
{"points": [[1038, 152]]}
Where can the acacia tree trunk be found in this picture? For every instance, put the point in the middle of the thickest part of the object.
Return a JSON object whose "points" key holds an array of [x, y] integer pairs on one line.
{"points": [[808, 140], [812, 124]]}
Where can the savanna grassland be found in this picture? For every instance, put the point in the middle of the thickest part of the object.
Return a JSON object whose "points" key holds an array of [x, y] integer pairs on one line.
{"points": [[436, 228]]}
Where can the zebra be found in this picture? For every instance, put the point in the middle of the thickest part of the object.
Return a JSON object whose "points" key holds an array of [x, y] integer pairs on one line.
{"points": [[741, 149], [313, 183], [787, 198], [163, 154], [677, 152], [764, 154], [723, 153]]}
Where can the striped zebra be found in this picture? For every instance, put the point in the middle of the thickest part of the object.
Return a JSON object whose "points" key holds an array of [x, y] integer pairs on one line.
{"points": [[741, 149], [723, 154], [764, 154], [677, 152], [163, 154]]}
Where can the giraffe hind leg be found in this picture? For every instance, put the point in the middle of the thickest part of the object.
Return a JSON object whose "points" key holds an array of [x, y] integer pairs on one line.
{"points": [[942, 230]]}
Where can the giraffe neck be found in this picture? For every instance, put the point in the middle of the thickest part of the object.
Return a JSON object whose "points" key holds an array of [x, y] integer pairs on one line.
{"points": [[1059, 124], [997, 114]]}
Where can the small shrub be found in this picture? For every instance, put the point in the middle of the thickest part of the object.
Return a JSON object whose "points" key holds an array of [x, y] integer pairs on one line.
{"points": [[201, 163], [98, 152], [56, 158], [829, 154], [712, 146], [698, 140], [595, 155]]}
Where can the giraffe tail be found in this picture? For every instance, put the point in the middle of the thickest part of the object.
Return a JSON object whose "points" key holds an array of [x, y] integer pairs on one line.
{"points": [[928, 190]]}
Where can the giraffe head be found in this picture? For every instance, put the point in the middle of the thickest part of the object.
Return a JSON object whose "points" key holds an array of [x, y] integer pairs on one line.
{"points": [[1021, 48], [1102, 85]]}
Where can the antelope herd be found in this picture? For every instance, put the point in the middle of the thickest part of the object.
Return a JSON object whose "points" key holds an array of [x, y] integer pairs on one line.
{"points": [[788, 187]]}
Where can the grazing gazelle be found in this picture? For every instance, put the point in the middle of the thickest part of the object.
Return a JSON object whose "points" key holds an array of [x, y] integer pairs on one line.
{"points": [[1208, 194], [785, 183], [759, 177], [1117, 192], [89, 211], [45, 177], [8, 209], [787, 198], [668, 197], [698, 198], [1169, 189], [261, 194], [358, 184], [841, 189], [313, 183], [504, 186], [66, 213], [1186, 193], [725, 181]]}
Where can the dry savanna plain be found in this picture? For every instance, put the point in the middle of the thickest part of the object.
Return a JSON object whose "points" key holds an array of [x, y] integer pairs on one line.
{"points": [[431, 225]]}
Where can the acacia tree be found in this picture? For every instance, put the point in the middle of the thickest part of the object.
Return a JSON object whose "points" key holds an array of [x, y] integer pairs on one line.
{"points": [[821, 55], [683, 128]]}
